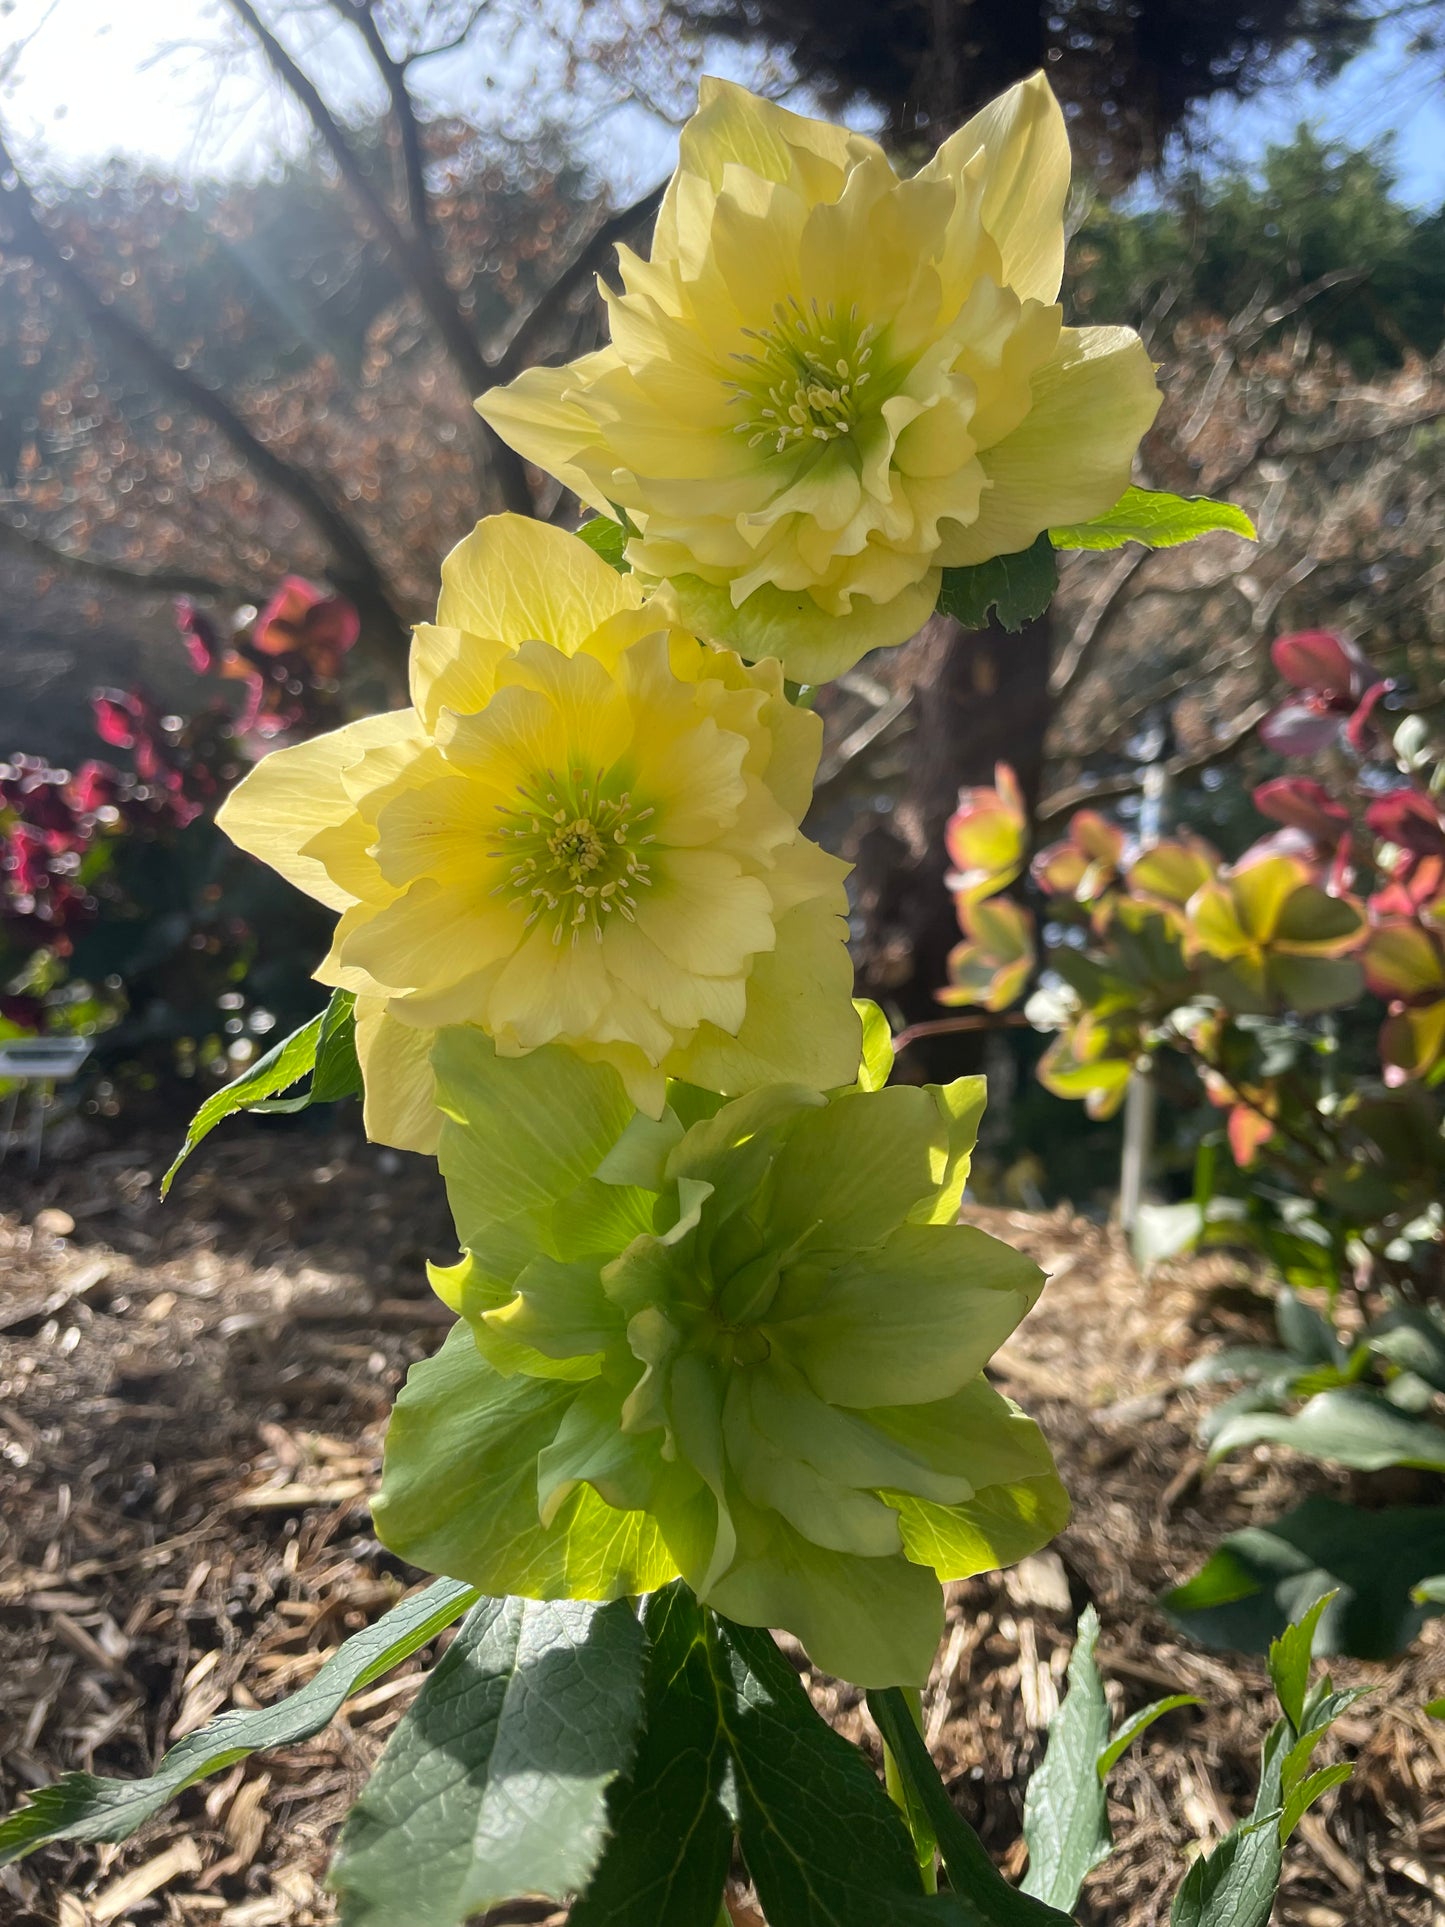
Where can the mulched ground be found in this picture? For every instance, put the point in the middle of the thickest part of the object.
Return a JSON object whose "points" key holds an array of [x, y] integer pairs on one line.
{"points": [[192, 1399]]}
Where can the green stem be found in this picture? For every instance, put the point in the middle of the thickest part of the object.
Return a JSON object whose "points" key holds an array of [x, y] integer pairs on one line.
{"points": [[925, 1844]]}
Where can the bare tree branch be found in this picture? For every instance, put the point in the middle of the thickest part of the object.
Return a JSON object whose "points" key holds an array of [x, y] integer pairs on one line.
{"points": [[1098, 618], [360, 15], [413, 251], [43, 554], [519, 351], [354, 567], [1062, 802]]}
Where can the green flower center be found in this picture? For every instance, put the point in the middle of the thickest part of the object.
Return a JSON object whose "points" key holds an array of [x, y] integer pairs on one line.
{"points": [[806, 379], [574, 851]]}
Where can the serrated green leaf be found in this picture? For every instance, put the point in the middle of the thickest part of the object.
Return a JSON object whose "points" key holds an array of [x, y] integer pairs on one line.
{"points": [[1435, 1709], [283, 1065], [672, 1836], [1308, 1791], [971, 1873], [607, 539], [338, 1071], [326, 1047], [82, 1807], [824, 1844], [1139, 1723], [1157, 519], [1017, 587], [1066, 1820], [495, 1782], [1351, 1427], [1260, 1578], [1289, 1661], [1235, 1885]]}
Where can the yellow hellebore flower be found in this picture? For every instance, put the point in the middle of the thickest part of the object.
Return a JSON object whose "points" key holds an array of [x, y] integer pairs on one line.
{"points": [[829, 383], [584, 830]]}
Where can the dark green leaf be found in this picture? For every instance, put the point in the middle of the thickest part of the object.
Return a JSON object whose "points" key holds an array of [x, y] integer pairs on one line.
{"points": [[671, 1834], [1066, 1821], [824, 1844], [1017, 587], [1289, 1661], [1352, 1427], [1261, 1578], [1308, 1791], [81, 1807], [608, 539], [970, 1871], [1157, 519], [495, 1782], [1412, 1337], [338, 1073], [1305, 1335], [1235, 1885], [1139, 1723]]}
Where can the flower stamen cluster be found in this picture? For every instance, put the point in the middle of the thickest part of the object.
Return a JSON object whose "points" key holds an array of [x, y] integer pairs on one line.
{"points": [[575, 854]]}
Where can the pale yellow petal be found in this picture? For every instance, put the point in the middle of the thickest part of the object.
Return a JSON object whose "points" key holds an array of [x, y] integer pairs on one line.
{"points": [[1072, 455], [518, 580], [1025, 181], [433, 935], [399, 1107], [293, 794], [543, 415], [733, 127], [451, 669], [800, 1027]]}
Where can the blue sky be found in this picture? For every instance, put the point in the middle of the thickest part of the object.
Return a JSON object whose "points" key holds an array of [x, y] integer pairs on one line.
{"points": [[162, 79]]}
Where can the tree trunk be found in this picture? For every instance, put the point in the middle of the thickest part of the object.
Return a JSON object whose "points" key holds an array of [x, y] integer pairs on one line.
{"points": [[983, 699]]}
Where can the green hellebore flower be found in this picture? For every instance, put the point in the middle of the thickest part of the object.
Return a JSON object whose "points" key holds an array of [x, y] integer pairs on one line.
{"points": [[743, 1343]]}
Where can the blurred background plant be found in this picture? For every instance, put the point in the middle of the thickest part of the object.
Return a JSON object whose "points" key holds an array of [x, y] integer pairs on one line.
{"points": [[1299, 990]]}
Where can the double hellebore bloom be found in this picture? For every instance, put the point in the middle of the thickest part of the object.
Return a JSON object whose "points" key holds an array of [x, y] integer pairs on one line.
{"points": [[829, 383], [584, 830], [744, 1343]]}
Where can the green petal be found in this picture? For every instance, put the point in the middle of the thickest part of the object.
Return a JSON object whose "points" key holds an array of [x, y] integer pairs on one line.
{"points": [[591, 1447], [812, 645], [1000, 1526], [961, 1107], [459, 1489], [875, 1622], [977, 1432], [520, 1132], [826, 1511], [849, 1446], [877, 1065], [560, 1312], [911, 1321], [856, 1169]]}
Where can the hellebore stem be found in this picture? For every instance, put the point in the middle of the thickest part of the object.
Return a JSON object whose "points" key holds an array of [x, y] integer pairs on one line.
{"points": [[925, 1845]]}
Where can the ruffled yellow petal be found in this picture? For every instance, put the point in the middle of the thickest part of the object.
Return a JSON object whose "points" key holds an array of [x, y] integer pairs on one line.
{"points": [[541, 415], [1093, 401], [293, 794], [1023, 146], [518, 580], [400, 1102], [800, 1027]]}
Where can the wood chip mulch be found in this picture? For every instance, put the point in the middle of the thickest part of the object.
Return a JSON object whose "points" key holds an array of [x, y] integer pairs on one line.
{"points": [[192, 1401]]}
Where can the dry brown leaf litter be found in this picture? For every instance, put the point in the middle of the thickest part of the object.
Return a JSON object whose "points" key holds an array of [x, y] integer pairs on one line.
{"points": [[192, 1399]]}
